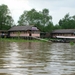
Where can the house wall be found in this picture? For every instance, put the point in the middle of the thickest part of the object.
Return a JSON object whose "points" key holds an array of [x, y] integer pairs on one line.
{"points": [[14, 34], [35, 35], [24, 34]]}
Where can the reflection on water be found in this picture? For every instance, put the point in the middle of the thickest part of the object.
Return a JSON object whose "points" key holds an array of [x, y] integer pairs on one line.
{"points": [[37, 58]]}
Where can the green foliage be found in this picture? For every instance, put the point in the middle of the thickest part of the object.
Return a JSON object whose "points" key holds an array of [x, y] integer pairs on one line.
{"points": [[56, 27], [6, 20], [41, 19], [49, 27], [68, 22], [19, 40], [71, 43]]}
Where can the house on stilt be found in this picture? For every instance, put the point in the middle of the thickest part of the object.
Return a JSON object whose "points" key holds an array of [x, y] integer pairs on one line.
{"points": [[24, 31]]}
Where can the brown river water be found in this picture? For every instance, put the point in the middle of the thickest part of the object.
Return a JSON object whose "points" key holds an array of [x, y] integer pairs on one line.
{"points": [[37, 58]]}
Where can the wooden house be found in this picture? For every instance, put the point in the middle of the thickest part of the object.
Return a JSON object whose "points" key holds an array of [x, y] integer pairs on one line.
{"points": [[24, 31], [63, 33]]}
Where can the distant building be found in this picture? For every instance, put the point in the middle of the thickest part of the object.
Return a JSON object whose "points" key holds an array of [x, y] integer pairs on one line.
{"points": [[63, 32], [24, 31], [3, 33]]}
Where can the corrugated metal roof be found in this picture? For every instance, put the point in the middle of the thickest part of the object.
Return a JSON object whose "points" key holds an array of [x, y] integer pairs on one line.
{"points": [[64, 31], [22, 28]]}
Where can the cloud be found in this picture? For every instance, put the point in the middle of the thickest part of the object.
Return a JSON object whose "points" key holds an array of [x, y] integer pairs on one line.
{"points": [[16, 4], [16, 7], [58, 8]]}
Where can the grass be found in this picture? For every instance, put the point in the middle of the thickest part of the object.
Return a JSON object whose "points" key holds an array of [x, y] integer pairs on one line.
{"points": [[71, 43], [19, 40]]}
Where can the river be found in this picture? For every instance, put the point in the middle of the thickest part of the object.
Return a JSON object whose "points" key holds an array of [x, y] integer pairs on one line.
{"points": [[37, 58]]}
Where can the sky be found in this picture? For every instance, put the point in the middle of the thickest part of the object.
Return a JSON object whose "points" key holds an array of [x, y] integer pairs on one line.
{"points": [[57, 8]]}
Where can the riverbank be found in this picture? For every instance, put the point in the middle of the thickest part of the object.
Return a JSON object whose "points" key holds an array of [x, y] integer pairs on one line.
{"points": [[21, 40]]}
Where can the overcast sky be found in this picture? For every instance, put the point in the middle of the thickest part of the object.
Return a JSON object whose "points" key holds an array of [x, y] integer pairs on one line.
{"points": [[57, 8]]}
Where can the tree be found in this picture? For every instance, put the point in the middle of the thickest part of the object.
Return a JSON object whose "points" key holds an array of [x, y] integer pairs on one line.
{"points": [[23, 19], [68, 22], [6, 20], [40, 19], [49, 27], [29, 18], [56, 27], [46, 18]]}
